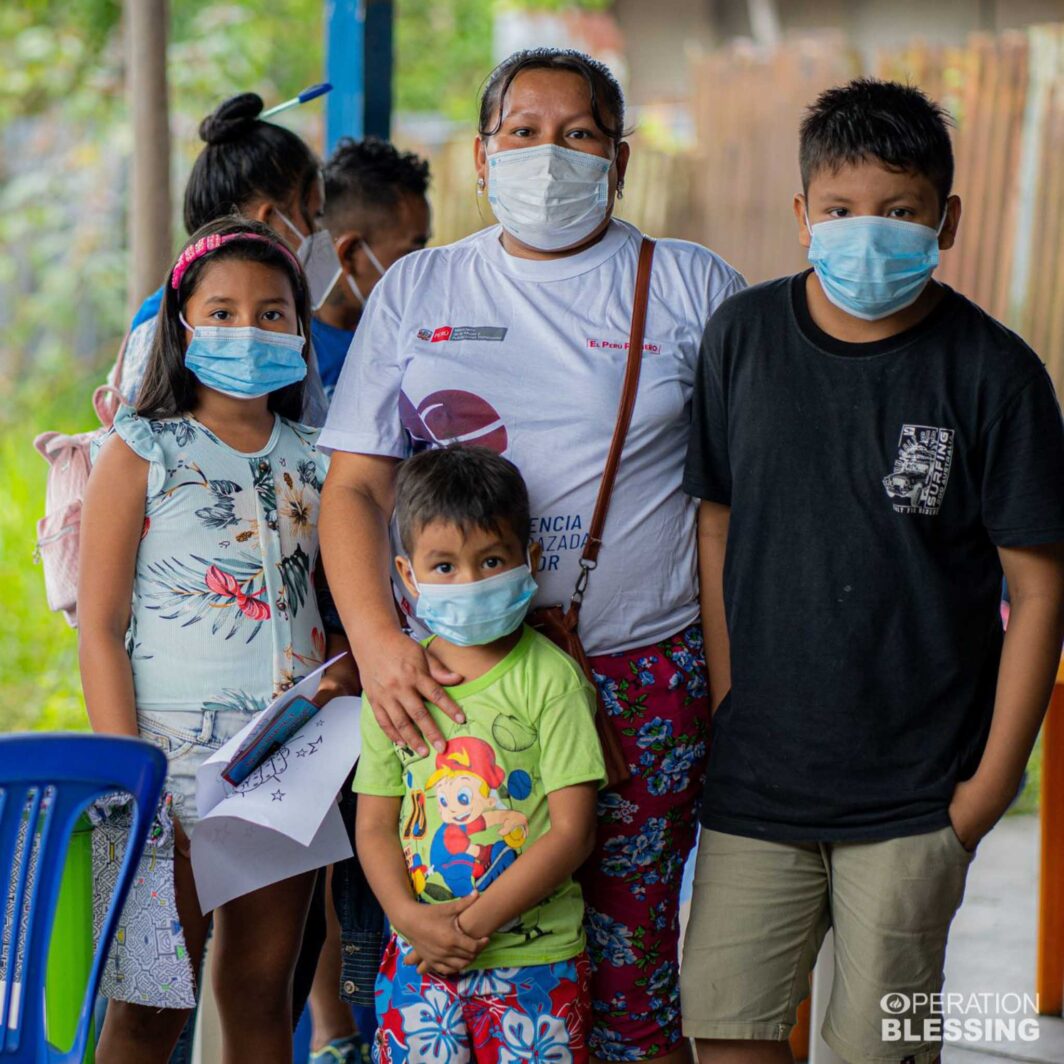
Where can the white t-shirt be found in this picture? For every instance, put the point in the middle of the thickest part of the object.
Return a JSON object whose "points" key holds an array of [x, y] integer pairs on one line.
{"points": [[468, 343]]}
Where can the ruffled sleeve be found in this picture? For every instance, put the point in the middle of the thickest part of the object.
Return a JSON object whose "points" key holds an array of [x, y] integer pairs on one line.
{"points": [[308, 437], [141, 440]]}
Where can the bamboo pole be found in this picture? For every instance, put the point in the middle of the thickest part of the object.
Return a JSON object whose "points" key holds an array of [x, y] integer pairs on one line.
{"points": [[149, 215]]}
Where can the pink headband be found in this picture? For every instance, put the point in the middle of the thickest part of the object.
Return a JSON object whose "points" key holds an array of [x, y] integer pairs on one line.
{"points": [[205, 245]]}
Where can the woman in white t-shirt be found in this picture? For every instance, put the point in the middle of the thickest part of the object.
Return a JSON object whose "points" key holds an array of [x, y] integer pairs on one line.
{"points": [[514, 339]]}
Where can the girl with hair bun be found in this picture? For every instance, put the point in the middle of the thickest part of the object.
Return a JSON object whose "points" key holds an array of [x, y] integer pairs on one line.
{"points": [[265, 173]]}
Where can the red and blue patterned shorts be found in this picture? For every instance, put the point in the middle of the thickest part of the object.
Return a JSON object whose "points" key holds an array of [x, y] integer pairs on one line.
{"points": [[493, 1016], [657, 698]]}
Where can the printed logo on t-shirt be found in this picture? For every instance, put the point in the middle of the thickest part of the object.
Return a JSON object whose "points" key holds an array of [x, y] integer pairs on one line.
{"points": [[649, 347], [462, 332], [921, 470], [453, 416]]}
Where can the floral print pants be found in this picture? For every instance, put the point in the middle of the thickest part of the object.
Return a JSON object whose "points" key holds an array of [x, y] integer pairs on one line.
{"points": [[537, 1013], [658, 700]]}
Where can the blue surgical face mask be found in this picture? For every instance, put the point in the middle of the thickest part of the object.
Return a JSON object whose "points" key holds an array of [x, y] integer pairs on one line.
{"points": [[872, 267], [478, 612], [244, 362]]}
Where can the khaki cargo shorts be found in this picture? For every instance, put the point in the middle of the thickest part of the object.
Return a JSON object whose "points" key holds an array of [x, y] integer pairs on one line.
{"points": [[759, 913]]}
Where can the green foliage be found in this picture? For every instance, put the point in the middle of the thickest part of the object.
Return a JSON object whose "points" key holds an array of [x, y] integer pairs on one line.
{"points": [[442, 53]]}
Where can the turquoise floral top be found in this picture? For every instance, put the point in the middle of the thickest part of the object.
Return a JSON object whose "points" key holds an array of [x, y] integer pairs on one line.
{"points": [[224, 607]]}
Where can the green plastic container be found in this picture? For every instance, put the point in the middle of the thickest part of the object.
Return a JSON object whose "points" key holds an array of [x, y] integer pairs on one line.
{"points": [[70, 951]]}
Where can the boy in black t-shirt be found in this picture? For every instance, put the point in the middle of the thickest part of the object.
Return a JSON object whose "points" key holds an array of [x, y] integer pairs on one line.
{"points": [[871, 450]]}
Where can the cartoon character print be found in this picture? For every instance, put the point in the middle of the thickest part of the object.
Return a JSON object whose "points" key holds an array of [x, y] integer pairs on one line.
{"points": [[480, 837]]}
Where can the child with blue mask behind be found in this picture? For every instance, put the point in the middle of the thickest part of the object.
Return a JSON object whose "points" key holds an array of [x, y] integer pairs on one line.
{"points": [[871, 451], [471, 849]]}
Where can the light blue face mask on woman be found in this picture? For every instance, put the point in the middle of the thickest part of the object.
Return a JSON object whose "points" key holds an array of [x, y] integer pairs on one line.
{"points": [[871, 267], [478, 612], [244, 362]]}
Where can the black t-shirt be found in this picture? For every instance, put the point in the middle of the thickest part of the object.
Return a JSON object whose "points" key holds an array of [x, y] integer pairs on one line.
{"points": [[869, 486]]}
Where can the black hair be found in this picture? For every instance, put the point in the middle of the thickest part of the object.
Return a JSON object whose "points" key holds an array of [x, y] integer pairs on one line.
{"points": [[169, 386], [244, 159], [607, 99], [470, 487], [370, 175], [871, 119]]}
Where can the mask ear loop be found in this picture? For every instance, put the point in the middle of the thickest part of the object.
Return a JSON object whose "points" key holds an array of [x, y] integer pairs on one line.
{"points": [[355, 289], [372, 257], [353, 284], [288, 221]]}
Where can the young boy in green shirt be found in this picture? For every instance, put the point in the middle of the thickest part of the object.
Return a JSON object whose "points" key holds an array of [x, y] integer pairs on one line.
{"points": [[471, 850]]}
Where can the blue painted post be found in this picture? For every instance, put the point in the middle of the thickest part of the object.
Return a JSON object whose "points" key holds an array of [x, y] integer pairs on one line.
{"points": [[344, 68], [358, 63]]}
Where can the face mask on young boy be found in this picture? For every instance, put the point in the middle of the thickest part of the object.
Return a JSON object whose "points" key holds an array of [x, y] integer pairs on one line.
{"points": [[244, 362], [477, 612], [317, 255], [871, 267], [548, 197]]}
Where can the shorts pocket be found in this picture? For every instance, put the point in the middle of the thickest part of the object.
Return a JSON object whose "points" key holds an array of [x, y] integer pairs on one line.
{"points": [[175, 742], [955, 841]]}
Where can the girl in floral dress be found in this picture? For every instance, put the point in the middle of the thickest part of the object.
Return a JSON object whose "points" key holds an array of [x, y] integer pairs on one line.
{"points": [[198, 606]]}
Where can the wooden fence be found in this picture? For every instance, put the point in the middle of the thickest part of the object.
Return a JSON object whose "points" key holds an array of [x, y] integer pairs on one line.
{"points": [[733, 191]]}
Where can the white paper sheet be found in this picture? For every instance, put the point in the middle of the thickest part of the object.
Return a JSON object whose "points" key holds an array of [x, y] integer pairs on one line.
{"points": [[283, 819]]}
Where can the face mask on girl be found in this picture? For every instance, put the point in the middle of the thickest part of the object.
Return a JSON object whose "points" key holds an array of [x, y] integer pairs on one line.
{"points": [[246, 362], [317, 255], [477, 612], [872, 267], [548, 197], [376, 263]]}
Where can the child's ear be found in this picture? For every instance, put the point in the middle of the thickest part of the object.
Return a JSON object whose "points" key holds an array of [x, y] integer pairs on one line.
{"points": [[346, 247], [406, 573], [804, 236], [535, 553], [953, 220]]}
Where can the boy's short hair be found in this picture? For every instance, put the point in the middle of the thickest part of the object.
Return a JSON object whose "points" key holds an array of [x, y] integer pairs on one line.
{"points": [[870, 119], [470, 487], [365, 178]]}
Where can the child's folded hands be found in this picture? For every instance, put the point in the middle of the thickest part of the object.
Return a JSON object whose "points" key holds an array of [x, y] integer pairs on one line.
{"points": [[439, 943]]}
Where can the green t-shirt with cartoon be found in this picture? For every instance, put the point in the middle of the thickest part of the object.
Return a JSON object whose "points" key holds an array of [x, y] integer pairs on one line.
{"points": [[468, 813]]}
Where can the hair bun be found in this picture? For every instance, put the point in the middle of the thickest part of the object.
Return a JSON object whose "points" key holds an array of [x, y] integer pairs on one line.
{"points": [[231, 119]]}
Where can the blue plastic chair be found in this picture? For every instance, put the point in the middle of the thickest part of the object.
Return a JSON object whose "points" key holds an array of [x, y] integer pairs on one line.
{"points": [[46, 782]]}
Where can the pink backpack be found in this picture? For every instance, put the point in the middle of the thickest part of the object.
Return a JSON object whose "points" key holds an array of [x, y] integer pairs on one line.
{"points": [[59, 531]]}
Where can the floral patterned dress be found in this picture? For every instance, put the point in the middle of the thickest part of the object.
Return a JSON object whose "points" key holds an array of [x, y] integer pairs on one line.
{"points": [[225, 570], [224, 618]]}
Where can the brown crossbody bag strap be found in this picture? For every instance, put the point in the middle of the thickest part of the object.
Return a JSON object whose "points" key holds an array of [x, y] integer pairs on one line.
{"points": [[561, 627], [589, 558]]}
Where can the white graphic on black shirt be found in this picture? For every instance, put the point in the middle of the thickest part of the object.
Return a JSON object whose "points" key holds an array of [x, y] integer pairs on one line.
{"points": [[921, 470]]}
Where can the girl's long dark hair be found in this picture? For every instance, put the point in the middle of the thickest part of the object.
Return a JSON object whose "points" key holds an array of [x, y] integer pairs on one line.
{"points": [[169, 387]]}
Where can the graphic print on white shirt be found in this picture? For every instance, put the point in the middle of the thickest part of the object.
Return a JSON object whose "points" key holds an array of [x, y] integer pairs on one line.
{"points": [[468, 344], [918, 481]]}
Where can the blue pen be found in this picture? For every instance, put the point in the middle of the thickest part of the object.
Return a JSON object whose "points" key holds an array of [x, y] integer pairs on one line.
{"points": [[307, 94]]}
